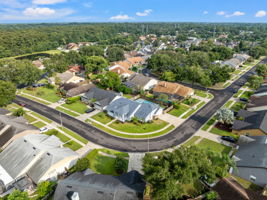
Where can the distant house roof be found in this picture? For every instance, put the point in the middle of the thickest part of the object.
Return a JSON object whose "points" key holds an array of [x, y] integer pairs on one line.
{"points": [[233, 62], [121, 70], [241, 57], [103, 97], [69, 86], [252, 120], [137, 80], [79, 90], [257, 101], [99, 187], [21, 155], [65, 76], [72, 46], [125, 64], [11, 126], [75, 68], [173, 88], [252, 152], [135, 60]]}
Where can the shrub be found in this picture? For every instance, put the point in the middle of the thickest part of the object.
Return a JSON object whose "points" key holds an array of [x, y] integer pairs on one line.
{"points": [[19, 112], [120, 164], [44, 188], [176, 105], [212, 195], [82, 164], [49, 86], [73, 100]]}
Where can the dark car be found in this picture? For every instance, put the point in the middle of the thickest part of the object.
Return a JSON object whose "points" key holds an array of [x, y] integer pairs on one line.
{"points": [[229, 139], [243, 99], [89, 110], [234, 90], [21, 104]]}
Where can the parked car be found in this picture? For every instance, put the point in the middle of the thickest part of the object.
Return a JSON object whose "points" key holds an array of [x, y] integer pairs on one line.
{"points": [[89, 110], [243, 99], [38, 85], [21, 104], [229, 139], [44, 129], [233, 90]]}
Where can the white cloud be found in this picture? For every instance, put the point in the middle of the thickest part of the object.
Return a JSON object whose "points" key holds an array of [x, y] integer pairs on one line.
{"points": [[236, 13], [205, 12], [38, 12], [121, 17], [47, 2], [221, 13], [261, 13], [12, 3], [145, 13], [88, 5]]}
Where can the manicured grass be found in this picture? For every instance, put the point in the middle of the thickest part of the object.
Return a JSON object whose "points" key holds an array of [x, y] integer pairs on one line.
{"points": [[115, 153], [223, 133], [200, 93], [227, 85], [67, 111], [102, 117], [227, 105], [39, 124], [210, 96], [208, 124], [44, 93], [178, 112], [29, 118], [191, 141], [73, 145], [130, 127], [191, 101], [246, 94], [213, 146], [74, 135], [247, 184], [237, 71], [238, 93], [102, 164], [42, 117], [188, 114], [77, 106], [128, 96], [34, 99], [131, 136], [238, 106]]}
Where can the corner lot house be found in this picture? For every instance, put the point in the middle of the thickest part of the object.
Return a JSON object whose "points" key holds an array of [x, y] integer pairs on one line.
{"points": [[12, 128], [173, 90], [251, 159], [38, 156], [140, 82], [99, 98], [250, 123], [124, 110], [91, 186]]}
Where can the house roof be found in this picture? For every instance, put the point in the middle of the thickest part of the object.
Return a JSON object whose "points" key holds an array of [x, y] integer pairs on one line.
{"points": [[79, 90], [137, 80], [125, 64], [10, 126], [252, 120], [252, 152], [69, 86], [233, 62], [241, 57], [103, 97], [98, 187], [172, 88], [121, 70], [257, 101], [135, 60], [65, 76], [75, 68], [262, 89], [22, 152]]}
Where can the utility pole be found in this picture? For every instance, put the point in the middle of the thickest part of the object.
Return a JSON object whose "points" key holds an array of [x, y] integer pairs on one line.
{"points": [[61, 124], [148, 143]]}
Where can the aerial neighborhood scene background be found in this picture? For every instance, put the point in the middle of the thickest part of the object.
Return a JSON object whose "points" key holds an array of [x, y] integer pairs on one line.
{"points": [[131, 100]]}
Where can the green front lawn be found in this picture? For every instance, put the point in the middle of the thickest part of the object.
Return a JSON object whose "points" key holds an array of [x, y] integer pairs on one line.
{"points": [[67, 111], [77, 106], [238, 106], [102, 117], [246, 94], [227, 105], [115, 153], [213, 146], [39, 124], [238, 93], [191, 141], [73, 145], [208, 124], [191, 101], [74, 135], [34, 99], [101, 164], [200, 93], [130, 127], [217, 131], [44, 93], [191, 112], [178, 112]]}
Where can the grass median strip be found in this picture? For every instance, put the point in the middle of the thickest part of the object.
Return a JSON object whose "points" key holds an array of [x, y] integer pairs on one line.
{"points": [[188, 114], [208, 124], [74, 135], [42, 117], [29, 118], [191, 141], [227, 105], [34, 99], [39, 124], [67, 111], [140, 136], [217, 131]]}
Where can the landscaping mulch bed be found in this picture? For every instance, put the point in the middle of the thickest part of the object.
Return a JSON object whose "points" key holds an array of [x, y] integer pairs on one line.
{"points": [[224, 127]]}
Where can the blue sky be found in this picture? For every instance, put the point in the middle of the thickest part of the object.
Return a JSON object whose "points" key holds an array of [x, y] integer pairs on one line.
{"points": [[33, 11]]}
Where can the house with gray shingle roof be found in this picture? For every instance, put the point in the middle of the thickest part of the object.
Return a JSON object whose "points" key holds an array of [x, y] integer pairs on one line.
{"points": [[257, 103], [91, 186], [38, 156], [140, 82], [251, 159], [250, 123], [125, 109]]}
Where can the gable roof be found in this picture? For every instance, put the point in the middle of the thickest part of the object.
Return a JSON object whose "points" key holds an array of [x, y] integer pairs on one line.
{"points": [[138, 80], [65, 76], [125, 64], [103, 97], [233, 62], [252, 120], [121, 70], [252, 153], [79, 90], [172, 88], [23, 151], [257, 101], [98, 187], [135, 60], [262, 89]]}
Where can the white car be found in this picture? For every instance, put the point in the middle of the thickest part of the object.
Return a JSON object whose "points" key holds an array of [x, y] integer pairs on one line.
{"points": [[44, 129]]}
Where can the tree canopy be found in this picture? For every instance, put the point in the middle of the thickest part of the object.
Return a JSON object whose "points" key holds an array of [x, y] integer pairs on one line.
{"points": [[7, 92]]}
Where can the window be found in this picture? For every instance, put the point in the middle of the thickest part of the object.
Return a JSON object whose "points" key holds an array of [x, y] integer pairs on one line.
{"points": [[252, 178]]}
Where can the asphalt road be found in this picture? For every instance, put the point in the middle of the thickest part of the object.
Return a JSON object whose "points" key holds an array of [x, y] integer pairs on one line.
{"points": [[174, 138]]}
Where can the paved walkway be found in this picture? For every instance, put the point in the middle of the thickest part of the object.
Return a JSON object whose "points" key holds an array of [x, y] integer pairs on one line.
{"points": [[171, 119]]}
